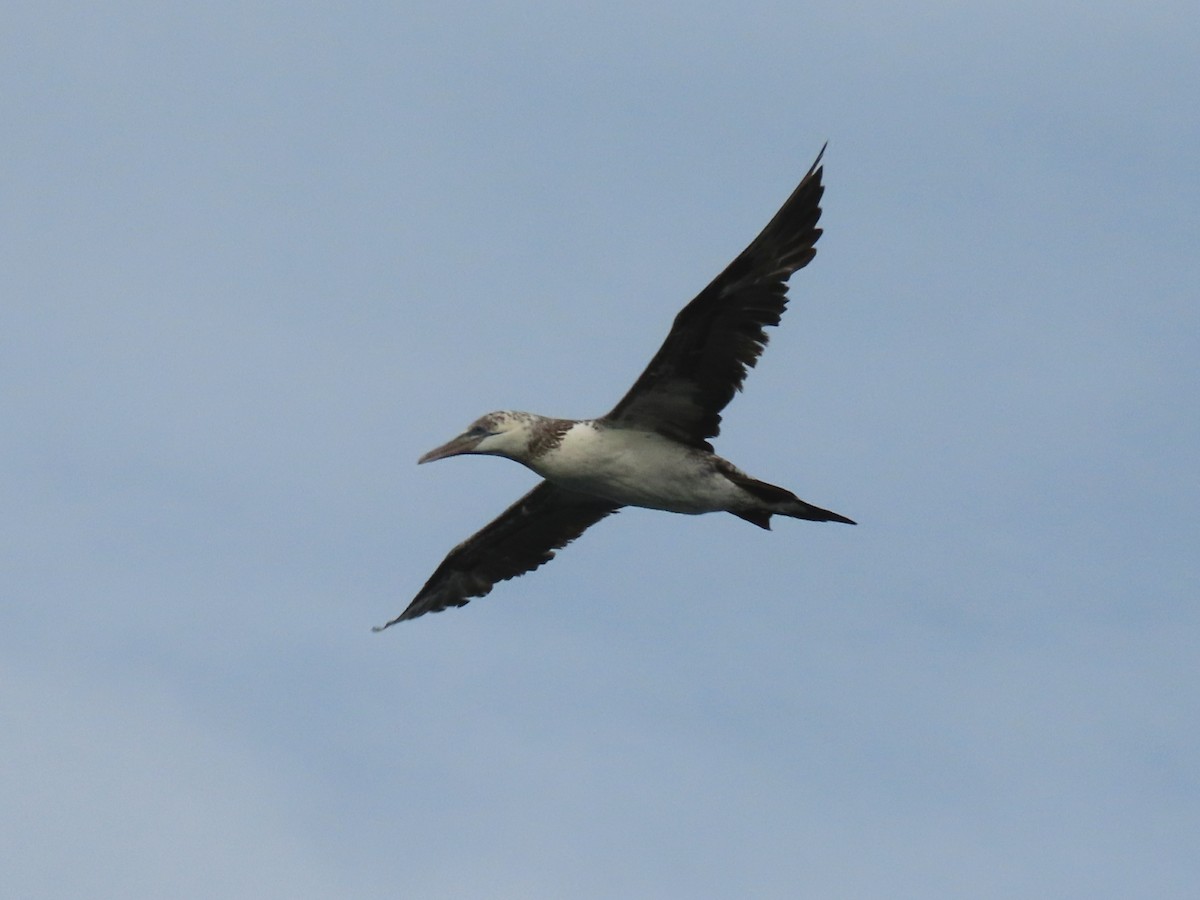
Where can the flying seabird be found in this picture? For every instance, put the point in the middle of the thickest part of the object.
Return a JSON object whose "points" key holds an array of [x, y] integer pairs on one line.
{"points": [[652, 449]]}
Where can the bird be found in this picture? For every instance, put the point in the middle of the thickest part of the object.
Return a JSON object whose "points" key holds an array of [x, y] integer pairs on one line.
{"points": [[653, 449]]}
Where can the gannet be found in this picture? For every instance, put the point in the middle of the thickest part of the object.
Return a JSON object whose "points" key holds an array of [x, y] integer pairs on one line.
{"points": [[652, 450]]}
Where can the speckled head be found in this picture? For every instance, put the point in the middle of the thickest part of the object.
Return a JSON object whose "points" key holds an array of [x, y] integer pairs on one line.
{"points": [[502, 433]]}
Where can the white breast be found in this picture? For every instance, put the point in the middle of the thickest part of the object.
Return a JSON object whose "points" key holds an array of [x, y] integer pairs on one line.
{"points": [[637, 468]]}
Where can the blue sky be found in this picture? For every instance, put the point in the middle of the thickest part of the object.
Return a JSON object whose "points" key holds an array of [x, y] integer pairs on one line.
{"points": [[259, 257]]}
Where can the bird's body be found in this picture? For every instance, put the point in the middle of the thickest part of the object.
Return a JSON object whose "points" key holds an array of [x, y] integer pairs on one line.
{"points": [[629, 466], [633, 468], [652, 450], [638, 468]]}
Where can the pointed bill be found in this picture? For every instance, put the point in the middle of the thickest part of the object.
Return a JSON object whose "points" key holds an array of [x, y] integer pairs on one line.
{"points": [[464, 443]]}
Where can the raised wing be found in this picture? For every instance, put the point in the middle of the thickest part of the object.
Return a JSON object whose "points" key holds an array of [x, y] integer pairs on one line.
{"points": [[719, 336], [522, 538]]}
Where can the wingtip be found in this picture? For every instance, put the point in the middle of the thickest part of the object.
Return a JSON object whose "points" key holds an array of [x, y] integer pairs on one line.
{"points": [[817, 162]]}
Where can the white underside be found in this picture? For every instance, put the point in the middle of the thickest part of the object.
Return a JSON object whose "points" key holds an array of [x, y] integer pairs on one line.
{"points": [[638, 468]]}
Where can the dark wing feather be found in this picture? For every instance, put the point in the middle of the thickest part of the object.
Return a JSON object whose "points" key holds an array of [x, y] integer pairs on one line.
{"points": [[522, 538], [717, 337]]}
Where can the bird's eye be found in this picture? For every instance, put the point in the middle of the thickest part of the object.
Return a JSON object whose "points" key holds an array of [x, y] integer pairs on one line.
{"points": [[477, 431]]}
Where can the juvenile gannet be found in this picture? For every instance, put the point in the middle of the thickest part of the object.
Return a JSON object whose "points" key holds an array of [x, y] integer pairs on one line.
{"points": [[652, 449]]}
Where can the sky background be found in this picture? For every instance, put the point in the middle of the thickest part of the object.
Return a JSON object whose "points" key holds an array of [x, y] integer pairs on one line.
{"points": [[258, 257]]}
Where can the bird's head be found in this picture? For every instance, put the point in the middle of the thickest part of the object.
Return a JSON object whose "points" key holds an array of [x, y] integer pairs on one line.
{"points": [[497, 434]]}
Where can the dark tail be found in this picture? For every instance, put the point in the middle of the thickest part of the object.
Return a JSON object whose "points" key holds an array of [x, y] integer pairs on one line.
{"points": [[779, 501], [802, 510]]}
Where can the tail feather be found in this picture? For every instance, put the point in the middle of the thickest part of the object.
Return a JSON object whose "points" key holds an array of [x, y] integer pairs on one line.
{"points": [[802, 510], [780, 501]]}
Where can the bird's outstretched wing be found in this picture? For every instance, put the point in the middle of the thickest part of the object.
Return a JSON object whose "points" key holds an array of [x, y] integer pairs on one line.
{"points": [[522, 538], [717, 337]]}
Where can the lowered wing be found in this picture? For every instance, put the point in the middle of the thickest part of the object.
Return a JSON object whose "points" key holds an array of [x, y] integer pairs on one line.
{"points": [[522, 538]]}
